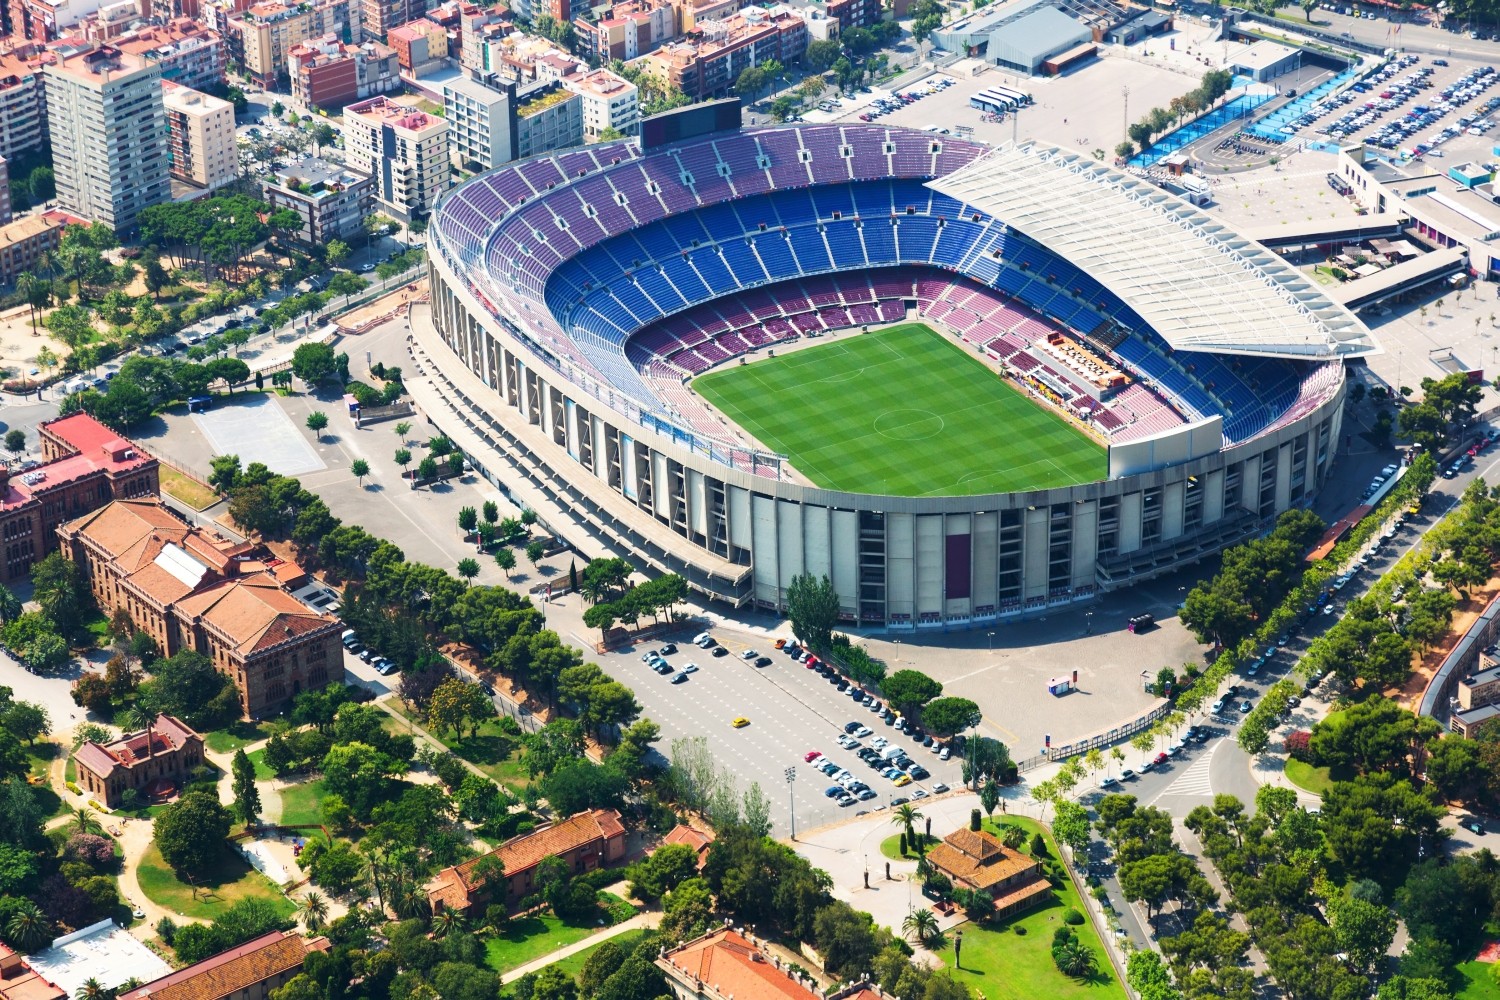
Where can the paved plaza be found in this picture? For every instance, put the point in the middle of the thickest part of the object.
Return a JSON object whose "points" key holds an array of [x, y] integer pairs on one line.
{"points": [[257, 429]]}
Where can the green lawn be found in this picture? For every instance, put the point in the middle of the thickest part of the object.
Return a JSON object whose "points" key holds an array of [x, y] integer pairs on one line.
{"points": [[1010, 966], [526, 939], [891, 847], [229, 882], [301, 804], [235, 735], [490, 750], [39, 759], [1479, 982], [1305, 776], [258, 760], [573, 964], [905, 412]]}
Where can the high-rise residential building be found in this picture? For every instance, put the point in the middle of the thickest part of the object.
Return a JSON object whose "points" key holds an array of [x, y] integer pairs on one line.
{"points": [[405, 150], [109, 135], [326, 73], [188, 52], [609, 102], [332, 199], [479, 26], [261, 37], [201, 145], [23, 100], [491, 122]]}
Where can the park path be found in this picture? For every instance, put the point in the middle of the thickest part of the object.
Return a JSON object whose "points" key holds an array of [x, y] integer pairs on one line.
{"points": [[641, 921]]}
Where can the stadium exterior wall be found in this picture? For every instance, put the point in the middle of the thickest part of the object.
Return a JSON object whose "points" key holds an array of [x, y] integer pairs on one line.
{"points": [[902, 562]]}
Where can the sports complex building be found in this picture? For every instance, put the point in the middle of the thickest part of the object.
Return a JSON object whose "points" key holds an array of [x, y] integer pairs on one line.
{"points": [[1003, 378]]}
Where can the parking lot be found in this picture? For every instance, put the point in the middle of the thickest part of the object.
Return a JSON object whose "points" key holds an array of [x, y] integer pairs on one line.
{"points": [[790, 711]]}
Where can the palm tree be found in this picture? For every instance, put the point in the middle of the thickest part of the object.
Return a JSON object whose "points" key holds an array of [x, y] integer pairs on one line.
{"points": [[314, 911], [906, 816], [1073, 959], [92, 989], [1013, 837], [36, 293], [85, 820], [449, 921], [135, 719], [923, 924], [28, 928], [411, 902]]}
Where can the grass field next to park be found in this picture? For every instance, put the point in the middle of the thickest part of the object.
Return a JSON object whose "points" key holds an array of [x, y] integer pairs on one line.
{"points": [[230, 881], [903, 412]]}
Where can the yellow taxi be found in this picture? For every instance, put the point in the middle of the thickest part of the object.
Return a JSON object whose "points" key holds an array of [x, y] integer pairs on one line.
{"points": [[741, 722], [903, 780]]}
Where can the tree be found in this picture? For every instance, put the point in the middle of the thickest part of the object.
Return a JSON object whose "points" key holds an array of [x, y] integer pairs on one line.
{"points": [[506, 560], [58, 588], [752, 80], [317, 422], [313, 362], [246, 795], [908, 690], [225, 472], [820, 55], [403, 458], [1364, 930], [190, 833], [468, 568], [813, 607], [402, 430], [922, 924], [947, 716], [457, 704], [534, 550], [906, 816], [360, 468], [314, 911], [427, 469], [15, 441]]}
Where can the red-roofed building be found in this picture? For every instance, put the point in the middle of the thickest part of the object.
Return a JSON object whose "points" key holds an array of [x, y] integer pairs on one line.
{"points": [[155, 762], [249, 972], [699, 840], [726, 964], [586, 841], [189, 589], [18, 981], [86, 465]]}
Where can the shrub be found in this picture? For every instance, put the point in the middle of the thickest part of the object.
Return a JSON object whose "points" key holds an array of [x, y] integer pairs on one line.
{"points": [[1038, 846], [1060, 935], [1020, 929], [1072, 917], [90, 849], [1297, 744]]}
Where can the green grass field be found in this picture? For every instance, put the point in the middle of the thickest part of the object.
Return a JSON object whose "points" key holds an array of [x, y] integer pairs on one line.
{"points": [[903, 412]]}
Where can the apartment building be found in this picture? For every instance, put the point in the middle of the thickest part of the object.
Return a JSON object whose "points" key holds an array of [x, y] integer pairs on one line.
{"points": [[609, 101], [626, 30], [405, 150], [189, 589], [26, 239], [478, 28], [261, 37], [548, 116], [23, 99], [332, 199], [326, 73], [710, 59], [201, 147], [188, 53], [421, 46], [109, 135], [48, 20], [493, 121]]}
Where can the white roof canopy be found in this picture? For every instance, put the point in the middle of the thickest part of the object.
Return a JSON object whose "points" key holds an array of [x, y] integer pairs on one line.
{"points": [[1201, 285]]}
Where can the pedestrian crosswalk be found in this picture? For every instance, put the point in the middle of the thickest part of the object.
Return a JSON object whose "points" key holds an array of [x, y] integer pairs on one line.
{"points": [[1196, 780]]}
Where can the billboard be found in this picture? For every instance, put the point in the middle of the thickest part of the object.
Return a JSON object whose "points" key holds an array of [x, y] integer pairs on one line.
{"points": [[690, 122]]}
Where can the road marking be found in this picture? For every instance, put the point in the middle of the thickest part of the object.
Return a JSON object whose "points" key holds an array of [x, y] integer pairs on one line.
{"points": [[1196, 780]]}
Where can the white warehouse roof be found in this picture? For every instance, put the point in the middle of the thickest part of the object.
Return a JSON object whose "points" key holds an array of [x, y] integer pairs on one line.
{"points": [[1201, 285]]}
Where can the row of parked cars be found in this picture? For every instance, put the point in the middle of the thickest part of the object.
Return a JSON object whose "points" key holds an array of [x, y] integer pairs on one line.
{"points": [[897, 101], [352, 643], [887, 759]]}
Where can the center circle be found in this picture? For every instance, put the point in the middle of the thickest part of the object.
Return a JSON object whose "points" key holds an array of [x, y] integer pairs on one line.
{"points": [[908, 425]]}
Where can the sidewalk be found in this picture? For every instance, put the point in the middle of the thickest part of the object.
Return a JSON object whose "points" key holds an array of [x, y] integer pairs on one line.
{"points": [[641, 921]]}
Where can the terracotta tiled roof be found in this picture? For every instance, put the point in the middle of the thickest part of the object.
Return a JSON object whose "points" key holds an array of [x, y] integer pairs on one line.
{"points": [[698, 840], [1029, 893], [119, 527], [520, 853], [168, 734], [978, 859], [733, 966], [19, 981], [254, 612], [231, 971]]}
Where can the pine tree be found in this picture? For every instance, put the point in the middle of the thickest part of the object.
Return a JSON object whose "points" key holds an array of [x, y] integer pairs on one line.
{"points": [[246, 795]]}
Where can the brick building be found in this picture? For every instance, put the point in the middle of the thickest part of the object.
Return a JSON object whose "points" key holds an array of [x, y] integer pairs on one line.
{"points": [[189, 589], [421, 46], [248, 972], [87, 465], [626, 30], [155, 762], [326, 73], [724, 964], [586, 841], [188, 53], [27, 238]]}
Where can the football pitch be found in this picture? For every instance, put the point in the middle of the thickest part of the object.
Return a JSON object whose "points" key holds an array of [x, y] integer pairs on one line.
{"points": [[903, 412]]}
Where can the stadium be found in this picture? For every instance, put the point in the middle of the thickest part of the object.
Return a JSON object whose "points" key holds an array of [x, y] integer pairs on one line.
{"points": [[967, 383]]}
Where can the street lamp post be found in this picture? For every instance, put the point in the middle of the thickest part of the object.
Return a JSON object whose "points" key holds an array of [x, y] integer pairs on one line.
{"points": [[791, 777], [991, 637], [1088, 623]]}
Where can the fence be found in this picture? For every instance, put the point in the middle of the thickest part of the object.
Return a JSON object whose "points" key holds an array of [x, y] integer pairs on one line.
{"points": [[1107, 738], [1240, 107]]}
